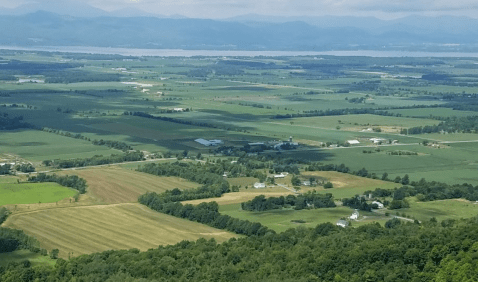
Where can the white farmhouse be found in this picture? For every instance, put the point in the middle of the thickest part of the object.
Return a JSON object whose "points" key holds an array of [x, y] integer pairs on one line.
{"points": [[342, 223], [259, 185], [354, 215], [380, 205]]}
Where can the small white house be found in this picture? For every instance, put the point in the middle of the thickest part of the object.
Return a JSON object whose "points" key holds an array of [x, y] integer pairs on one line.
{"points": [[279, 175], [353, 142], [259, 185], [354, 215], [380, 205]]}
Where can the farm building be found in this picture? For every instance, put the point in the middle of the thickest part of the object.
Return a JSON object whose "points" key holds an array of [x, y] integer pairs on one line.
{"points": [[208, 143], [377, 140], [380, 205], [354, 215], [353, 142], [342, 223], [259, 185], [282, 175]]}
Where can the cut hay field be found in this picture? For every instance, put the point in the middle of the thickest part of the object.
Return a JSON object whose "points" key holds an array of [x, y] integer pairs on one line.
{"points": [[31, 193], [347, 185], [118, 185], [90, 229]]}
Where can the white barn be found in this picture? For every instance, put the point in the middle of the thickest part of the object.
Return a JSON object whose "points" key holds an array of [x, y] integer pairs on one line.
{"points": [[259, 185]]}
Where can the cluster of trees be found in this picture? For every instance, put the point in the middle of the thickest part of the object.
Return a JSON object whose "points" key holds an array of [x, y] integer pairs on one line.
{"points": [[402, 252], [5, 169], [4, 213], [72, 181], [312, 200], [357, 202], [402, 153], [467, 124], [12, 240], [25, 168], [10, 123], [206, 213], [429, 191], [108, 143], [96, 160]]}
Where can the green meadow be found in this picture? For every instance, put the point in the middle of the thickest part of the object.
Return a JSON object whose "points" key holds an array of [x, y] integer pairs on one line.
{"points": [[31, 193]]}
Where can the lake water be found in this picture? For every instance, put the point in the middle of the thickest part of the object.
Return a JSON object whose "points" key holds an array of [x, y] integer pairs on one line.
{"points": [[220, 53]]}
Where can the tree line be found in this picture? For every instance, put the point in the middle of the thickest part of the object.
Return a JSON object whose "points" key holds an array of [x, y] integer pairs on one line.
{"points": [[108, 143], [467, 124], [10, 123], [96, 160], [205, 213], [309, 200], [72, 181]]}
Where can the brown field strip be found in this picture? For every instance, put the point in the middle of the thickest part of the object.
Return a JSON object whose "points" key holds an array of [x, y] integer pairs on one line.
{"points": [[90, 229], [114, 184], [345, 180]]}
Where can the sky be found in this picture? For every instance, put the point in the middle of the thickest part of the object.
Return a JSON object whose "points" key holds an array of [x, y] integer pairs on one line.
{"points": [[216, 9]]}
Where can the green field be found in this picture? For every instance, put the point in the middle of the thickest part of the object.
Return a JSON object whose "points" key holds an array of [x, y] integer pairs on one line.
{"points": [[31, 193], [441, 210], [22, 255], [280, 220]]}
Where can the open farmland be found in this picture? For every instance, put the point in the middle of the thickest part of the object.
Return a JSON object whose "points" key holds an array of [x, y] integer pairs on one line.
{"points": [[347, 185], [239, 197], [33, 193], [441, 210], [118, 185], [89, 229]]}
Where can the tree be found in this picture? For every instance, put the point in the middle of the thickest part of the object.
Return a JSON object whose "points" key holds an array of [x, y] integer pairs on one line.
{"points": [[328, 185], [295, 180], [384, 176], [405, 180], [54, 253]]}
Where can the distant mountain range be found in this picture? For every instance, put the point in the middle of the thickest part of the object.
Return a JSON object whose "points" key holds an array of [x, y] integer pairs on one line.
{"points": [[28, 25]]}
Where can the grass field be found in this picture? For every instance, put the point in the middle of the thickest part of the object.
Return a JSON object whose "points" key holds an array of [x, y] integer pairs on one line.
{"points": [[37, 146], [280, 220], [118, 185], [441, 210], [22, 255], [90, 229], [347, 185], [31, 193]]}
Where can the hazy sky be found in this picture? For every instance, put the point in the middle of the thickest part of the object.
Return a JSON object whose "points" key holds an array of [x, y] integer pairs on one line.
{"points": [[227, 8]]}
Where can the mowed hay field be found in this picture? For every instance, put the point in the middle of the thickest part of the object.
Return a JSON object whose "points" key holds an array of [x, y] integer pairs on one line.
{"points": [[90, 229], [347, 185], [114, 184]]}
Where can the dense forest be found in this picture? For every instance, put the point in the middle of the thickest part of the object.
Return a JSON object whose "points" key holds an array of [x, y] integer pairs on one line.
{"points": [[10, 123], [445, 251]]}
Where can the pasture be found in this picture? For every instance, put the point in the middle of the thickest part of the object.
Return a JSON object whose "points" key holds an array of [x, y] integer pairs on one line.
{"points": [[281, 220], [33, 193], [89, 229], [346, 185], [441, 210], [111, 185], [239, 197]]}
